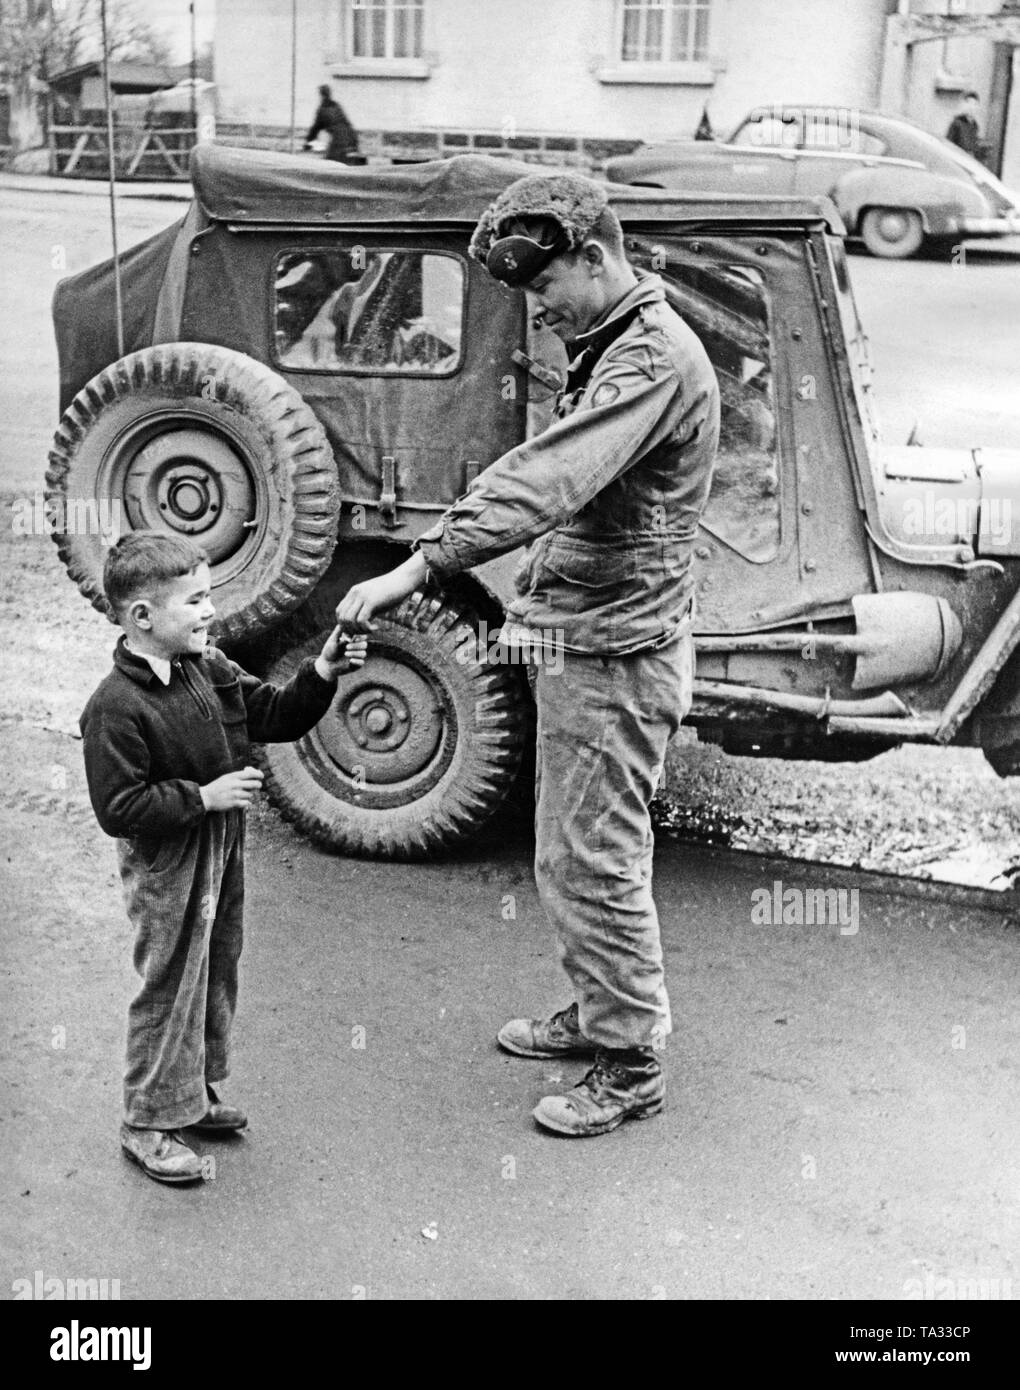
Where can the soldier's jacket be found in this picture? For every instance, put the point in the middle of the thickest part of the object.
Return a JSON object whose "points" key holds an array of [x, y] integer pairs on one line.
{"points": [[609, 496]]}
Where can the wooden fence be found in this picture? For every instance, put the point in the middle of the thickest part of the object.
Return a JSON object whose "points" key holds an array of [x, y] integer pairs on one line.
{"points": [[140, 152]]}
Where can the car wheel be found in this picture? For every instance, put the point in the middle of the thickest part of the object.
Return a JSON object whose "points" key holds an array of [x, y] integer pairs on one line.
{"points": [[420, 746], [203, 442], [893, 233]]}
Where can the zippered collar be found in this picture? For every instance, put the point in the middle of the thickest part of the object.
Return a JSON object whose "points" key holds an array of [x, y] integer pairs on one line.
{"points": [[648, 290], [587, 348], [137, 668]]}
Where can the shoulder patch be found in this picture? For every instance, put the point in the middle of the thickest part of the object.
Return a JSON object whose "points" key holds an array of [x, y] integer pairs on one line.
{"points": [[605, 394]]}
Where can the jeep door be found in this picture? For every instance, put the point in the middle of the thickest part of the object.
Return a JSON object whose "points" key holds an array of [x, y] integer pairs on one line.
{"points": [[402, 348], [399, 343], [781, 538]]}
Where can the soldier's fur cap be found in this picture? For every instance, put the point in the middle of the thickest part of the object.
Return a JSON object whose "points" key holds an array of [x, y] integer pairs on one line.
{"points": [[574, 203]]}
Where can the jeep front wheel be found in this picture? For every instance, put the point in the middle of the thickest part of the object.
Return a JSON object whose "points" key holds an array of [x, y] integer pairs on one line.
{"points": [[419, 748], [892, 233], [203, 442]]}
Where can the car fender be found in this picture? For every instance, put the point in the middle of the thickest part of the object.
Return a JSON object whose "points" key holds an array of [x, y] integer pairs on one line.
{"points": [[940, 201], [655, 173]]}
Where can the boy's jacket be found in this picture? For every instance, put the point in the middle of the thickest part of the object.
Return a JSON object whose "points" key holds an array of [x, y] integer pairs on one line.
{"points": [[149, 747]]}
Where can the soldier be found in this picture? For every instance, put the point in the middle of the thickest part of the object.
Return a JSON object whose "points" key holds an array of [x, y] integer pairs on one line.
{"points": [[608, 498]]}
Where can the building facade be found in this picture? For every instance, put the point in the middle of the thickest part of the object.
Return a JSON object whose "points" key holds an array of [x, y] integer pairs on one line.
{"points": [[572, 81], [539, 76]]}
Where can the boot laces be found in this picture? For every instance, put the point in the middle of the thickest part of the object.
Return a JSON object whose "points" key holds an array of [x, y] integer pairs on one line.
{"points": [[566, 1019], [600, 1075]]}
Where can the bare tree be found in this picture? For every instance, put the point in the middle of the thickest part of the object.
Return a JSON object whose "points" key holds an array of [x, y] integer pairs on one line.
{"points": [[39, 38], [77, 34], [24, 31]]}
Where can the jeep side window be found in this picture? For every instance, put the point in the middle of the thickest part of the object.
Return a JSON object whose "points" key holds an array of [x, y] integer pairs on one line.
{"points": [[743, 508], [728, 307], [369, 310]]}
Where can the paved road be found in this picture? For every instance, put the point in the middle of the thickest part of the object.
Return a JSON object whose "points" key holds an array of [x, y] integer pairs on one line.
{"points": [[946, 343], [842, 1115]]}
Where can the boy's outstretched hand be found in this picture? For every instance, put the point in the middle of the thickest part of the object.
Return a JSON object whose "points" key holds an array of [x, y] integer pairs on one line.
{"points": [[340, 654]]}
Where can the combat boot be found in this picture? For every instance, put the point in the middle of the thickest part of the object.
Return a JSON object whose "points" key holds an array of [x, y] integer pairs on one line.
{"points": [[624, 1084], [559, 1036]]}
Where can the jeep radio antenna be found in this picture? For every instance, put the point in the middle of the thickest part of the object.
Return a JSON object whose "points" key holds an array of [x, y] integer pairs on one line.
{"points": [[108, 97], [293, 71]]}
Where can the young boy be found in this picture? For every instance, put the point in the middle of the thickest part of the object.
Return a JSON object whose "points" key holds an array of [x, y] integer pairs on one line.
{"points": [[167, 757]]}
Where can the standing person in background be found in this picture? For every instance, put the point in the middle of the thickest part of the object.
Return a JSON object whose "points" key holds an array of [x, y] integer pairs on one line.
{"points": [[330, 117], [964, 129]]}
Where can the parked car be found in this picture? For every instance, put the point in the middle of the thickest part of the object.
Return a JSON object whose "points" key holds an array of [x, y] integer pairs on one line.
{"points": [[315, 369], [894, 184]]}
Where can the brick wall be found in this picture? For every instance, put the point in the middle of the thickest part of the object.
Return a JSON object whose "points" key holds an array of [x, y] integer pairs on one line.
{"points": [[385, 146]]}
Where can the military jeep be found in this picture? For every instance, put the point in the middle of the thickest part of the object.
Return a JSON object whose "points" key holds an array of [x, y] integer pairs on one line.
{"points": [[312, 369]]}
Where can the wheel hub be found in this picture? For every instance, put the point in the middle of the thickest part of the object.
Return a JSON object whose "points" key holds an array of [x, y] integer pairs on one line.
{"points": [[191, 482], [190, 500], [388, 722], [894, 226]]}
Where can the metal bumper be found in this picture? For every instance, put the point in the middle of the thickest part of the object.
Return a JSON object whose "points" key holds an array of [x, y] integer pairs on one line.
{"points": [[989, 226]]}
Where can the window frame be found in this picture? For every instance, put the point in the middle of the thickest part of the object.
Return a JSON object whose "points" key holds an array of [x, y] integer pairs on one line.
{"points": [[365, 65], [670, 12], [691, 71], [685, 245], [374, 372]]}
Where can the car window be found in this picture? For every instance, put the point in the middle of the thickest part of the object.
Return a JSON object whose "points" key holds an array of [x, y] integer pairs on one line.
{"points": [[363, 309], [839, 129], [728, 307], [768, 129]]}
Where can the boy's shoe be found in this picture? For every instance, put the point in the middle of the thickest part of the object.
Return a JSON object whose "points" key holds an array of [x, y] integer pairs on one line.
{"points": [[624, 1084], [161, 1153], [559, 1036], [224, 1119]]}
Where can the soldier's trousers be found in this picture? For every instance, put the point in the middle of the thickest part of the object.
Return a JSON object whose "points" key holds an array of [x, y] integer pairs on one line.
{"points": [[187, 908], [603, 726]]}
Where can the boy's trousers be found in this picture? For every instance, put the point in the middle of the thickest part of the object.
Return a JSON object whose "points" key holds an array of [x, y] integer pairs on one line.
{"points": [[603, 726], [187, 907]]}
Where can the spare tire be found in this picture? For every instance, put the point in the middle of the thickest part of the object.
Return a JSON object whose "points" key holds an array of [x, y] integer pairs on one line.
{"points": [[204, 442], [420, 746]]}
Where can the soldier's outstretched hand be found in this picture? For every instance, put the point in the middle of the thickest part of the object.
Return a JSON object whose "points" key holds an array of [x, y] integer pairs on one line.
{"points": [[357, 608]]}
